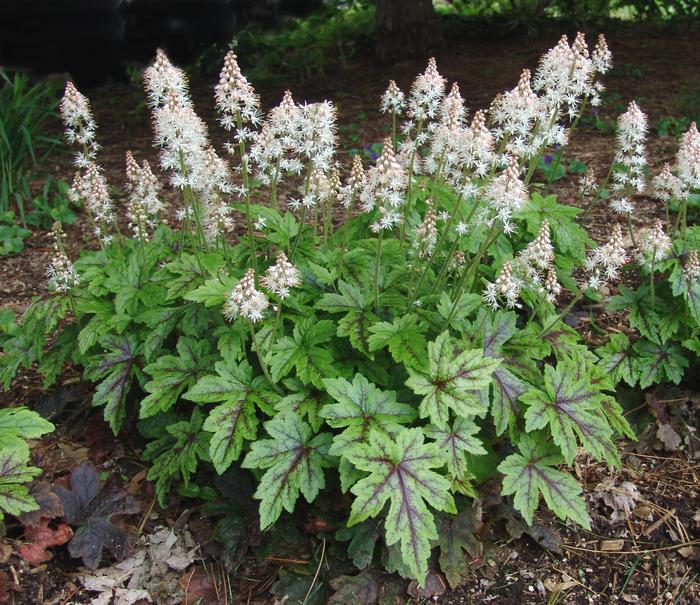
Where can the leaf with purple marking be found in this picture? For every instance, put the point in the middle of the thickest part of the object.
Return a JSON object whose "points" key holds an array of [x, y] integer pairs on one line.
{"points": [[91, 509], [115, 368], [453, 381], [360, 408], [400, 473], [294, 459], [531, 473], [457, 441], [655, 363], [570, 405], [506, 385], [616, 360], [234, 420], [689, 289]]}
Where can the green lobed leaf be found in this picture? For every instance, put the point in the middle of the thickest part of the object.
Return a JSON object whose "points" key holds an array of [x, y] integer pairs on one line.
{"points": [[233, 421], [115, 370], [172, 375], [19, 424], [640, 314], [294, 460], [570, 405], [405, 338], [531, 473], [177, 453], [358, 318], [451, 381], [361, 407], [213, 292], [457, 441], [654, 363], [303, 353], [506, 386], [616, 360], [15, 498], [400, 473]]}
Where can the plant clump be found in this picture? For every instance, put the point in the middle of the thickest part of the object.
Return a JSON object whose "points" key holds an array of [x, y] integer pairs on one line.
{"points": [[400, 356]]}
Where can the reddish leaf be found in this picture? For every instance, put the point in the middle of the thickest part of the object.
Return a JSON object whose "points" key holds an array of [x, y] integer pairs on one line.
{"points": [[41, 537]]}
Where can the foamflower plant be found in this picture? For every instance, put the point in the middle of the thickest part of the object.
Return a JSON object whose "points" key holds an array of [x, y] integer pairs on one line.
{"points": [[397, 332]]}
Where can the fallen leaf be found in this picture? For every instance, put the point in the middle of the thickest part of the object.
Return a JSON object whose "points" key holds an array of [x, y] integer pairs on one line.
{"points": [[621, 498], [40, 537], [611, 545], [547, 537], [154, 568], [362, 589], [689, 552], [91, 509], [553, 585], [199, 588], [434, 586], [668, 436], [644, 512], [457, 540], [658, 407]]}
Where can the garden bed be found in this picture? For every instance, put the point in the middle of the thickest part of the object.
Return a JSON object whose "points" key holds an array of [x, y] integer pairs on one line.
{"points": [[649, 554]]}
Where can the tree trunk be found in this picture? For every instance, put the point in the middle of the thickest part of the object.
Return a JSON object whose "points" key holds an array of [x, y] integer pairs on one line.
{"points": [[405, 28]]}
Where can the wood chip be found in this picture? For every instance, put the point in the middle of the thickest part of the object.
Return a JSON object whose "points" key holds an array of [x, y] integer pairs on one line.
{"points": [[611, 545]]}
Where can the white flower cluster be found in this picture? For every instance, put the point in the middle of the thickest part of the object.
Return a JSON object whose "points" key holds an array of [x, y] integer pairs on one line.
{"points": [[79, 123], [185, 149], [89, 185], [246, 301], [427, 92], [604, 262], [61, 272], [143, 191], [631, 156], [566, 75], [505, 195], [354, 183], [667, 186], [426, 234], [516, 113], [236, 100], [384, 188], [533, 269], [163, 80], [654, 246], [393, 100], [588, 184], [602, 57], [281, 276], [91, 188], [314, 134], [691, 271], [688, 158], [507, 287]]}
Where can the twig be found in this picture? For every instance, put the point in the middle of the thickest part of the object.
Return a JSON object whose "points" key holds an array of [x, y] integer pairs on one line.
{"points": [[318, 571], [594, 551]]}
